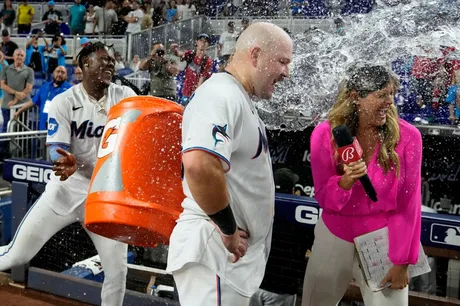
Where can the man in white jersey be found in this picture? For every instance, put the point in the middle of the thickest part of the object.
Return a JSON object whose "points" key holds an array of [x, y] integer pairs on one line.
{"points": [[220, 245], [76, 121]]}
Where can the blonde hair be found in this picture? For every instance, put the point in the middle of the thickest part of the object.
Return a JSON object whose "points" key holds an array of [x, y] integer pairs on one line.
{"points": [[344, 112]]}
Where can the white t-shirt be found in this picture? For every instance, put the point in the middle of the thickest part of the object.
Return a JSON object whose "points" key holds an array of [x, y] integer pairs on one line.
{"points": [[76, 120], [186, 12], [222, 120], [90, 24], [136, 26], [228, 42]]}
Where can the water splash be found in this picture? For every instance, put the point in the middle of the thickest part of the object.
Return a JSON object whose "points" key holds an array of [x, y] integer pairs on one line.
{"points": [[322, 58]]}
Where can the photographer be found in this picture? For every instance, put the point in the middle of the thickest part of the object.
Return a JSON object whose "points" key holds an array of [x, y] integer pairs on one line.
{"points": [[35, 57], [162, 70], [56, 53]]}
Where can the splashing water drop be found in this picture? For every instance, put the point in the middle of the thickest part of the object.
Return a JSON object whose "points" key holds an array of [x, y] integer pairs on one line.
{"points": [[321, 58]]}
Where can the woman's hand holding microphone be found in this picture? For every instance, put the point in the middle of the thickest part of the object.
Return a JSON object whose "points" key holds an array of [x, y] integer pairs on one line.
{"points": [[352, 172]]}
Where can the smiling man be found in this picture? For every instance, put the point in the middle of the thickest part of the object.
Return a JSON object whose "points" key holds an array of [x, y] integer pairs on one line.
{"points": [[75, 124], [220, 245], [46, 94]]}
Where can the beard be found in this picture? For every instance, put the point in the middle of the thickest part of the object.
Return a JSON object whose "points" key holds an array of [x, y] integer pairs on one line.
{"points": [[58, 82]]}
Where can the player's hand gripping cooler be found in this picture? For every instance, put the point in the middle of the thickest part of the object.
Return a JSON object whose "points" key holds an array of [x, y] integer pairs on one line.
{"points": [[135, 193]]}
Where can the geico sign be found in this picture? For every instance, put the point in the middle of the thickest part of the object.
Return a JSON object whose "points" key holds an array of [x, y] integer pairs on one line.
{"points": [[31, 173], [307, 214]]}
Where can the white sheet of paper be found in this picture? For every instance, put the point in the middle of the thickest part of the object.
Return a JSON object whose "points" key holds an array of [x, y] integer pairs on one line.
{"points": [[372, 249]]}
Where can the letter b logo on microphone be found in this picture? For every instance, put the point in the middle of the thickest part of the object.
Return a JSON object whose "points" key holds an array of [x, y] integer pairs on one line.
{"points": [[350, 153]]}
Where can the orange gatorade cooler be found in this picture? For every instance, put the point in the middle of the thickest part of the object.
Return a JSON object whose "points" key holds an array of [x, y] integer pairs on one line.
{"points": [[135, 193]]}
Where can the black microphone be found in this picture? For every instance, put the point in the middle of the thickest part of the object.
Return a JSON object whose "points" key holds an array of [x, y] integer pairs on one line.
{"points": [[350, 151]]}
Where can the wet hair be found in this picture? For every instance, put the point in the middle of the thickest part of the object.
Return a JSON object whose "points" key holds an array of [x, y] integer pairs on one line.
{"points": [[363, 81], [89, 49], [368, 79]]}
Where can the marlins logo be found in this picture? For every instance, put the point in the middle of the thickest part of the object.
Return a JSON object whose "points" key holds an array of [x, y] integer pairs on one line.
{"points": [[219, 133], [263, 144]]}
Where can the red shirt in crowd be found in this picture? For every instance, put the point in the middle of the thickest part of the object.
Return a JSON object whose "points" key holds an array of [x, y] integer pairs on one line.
{"points": [[194, 71], [425, 67]]}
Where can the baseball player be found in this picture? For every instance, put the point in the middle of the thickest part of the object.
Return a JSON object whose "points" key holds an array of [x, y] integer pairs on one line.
{"points": [[76, 121], [220, 245]]}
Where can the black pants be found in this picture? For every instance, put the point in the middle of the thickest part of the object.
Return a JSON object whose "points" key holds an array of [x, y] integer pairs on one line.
{"points": [[24, 28]]}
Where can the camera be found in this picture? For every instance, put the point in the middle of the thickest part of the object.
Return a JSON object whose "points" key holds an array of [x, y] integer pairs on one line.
{"points": [[160, 52]]}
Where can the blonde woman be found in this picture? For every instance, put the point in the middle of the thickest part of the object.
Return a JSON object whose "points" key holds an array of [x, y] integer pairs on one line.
{"points": [[392, 159]]}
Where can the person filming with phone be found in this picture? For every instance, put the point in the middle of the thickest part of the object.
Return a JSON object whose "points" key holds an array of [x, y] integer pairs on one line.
{"points": [[391, 160], [163, 68]]}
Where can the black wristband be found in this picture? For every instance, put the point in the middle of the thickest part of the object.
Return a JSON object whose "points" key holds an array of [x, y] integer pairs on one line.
{"points": [[225, 220]]}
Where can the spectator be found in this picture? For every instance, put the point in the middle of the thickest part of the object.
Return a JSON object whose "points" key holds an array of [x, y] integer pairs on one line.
{"points": [[35, 54], [223, 62], [170, 13], [180, 7], [17, 81], [199, 66], [3, 63], [119, 64], [188, 10], [147, 21], [77, 76], [244, 23], [201, 7], [77, 18], [227, 40], [134, 18], [278, 285], [56, 53], [52, 19], [8, 47], [45, 95], [26, 13], [229, 10], [7, 16], [121, 25], [424, 71], [163, 69], [453, 99], [84, 41], [134, 66], [158, 14], [105, 19], [90, 19]]}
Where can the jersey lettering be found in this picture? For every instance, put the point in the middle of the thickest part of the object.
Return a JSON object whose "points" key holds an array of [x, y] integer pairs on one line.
{"points": [[86, 129]]}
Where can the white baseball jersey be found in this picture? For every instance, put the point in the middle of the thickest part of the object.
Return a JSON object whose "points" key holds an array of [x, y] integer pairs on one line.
{"points": [[76, 120], [222, 120]]}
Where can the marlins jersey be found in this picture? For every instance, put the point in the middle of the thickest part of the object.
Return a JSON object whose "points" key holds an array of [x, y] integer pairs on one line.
{"points": [[77, 120], [222, 120]]}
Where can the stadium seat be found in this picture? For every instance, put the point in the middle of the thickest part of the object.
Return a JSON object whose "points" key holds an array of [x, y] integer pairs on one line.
{"points": [[70, 70], [64, 28], [357, 7]]}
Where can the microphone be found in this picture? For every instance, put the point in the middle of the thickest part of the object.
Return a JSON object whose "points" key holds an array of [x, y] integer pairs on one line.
{"points": [[350, 151]]}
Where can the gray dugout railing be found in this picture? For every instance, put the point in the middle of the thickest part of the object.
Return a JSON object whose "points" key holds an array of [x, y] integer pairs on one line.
{"points": [[23, 137]]}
